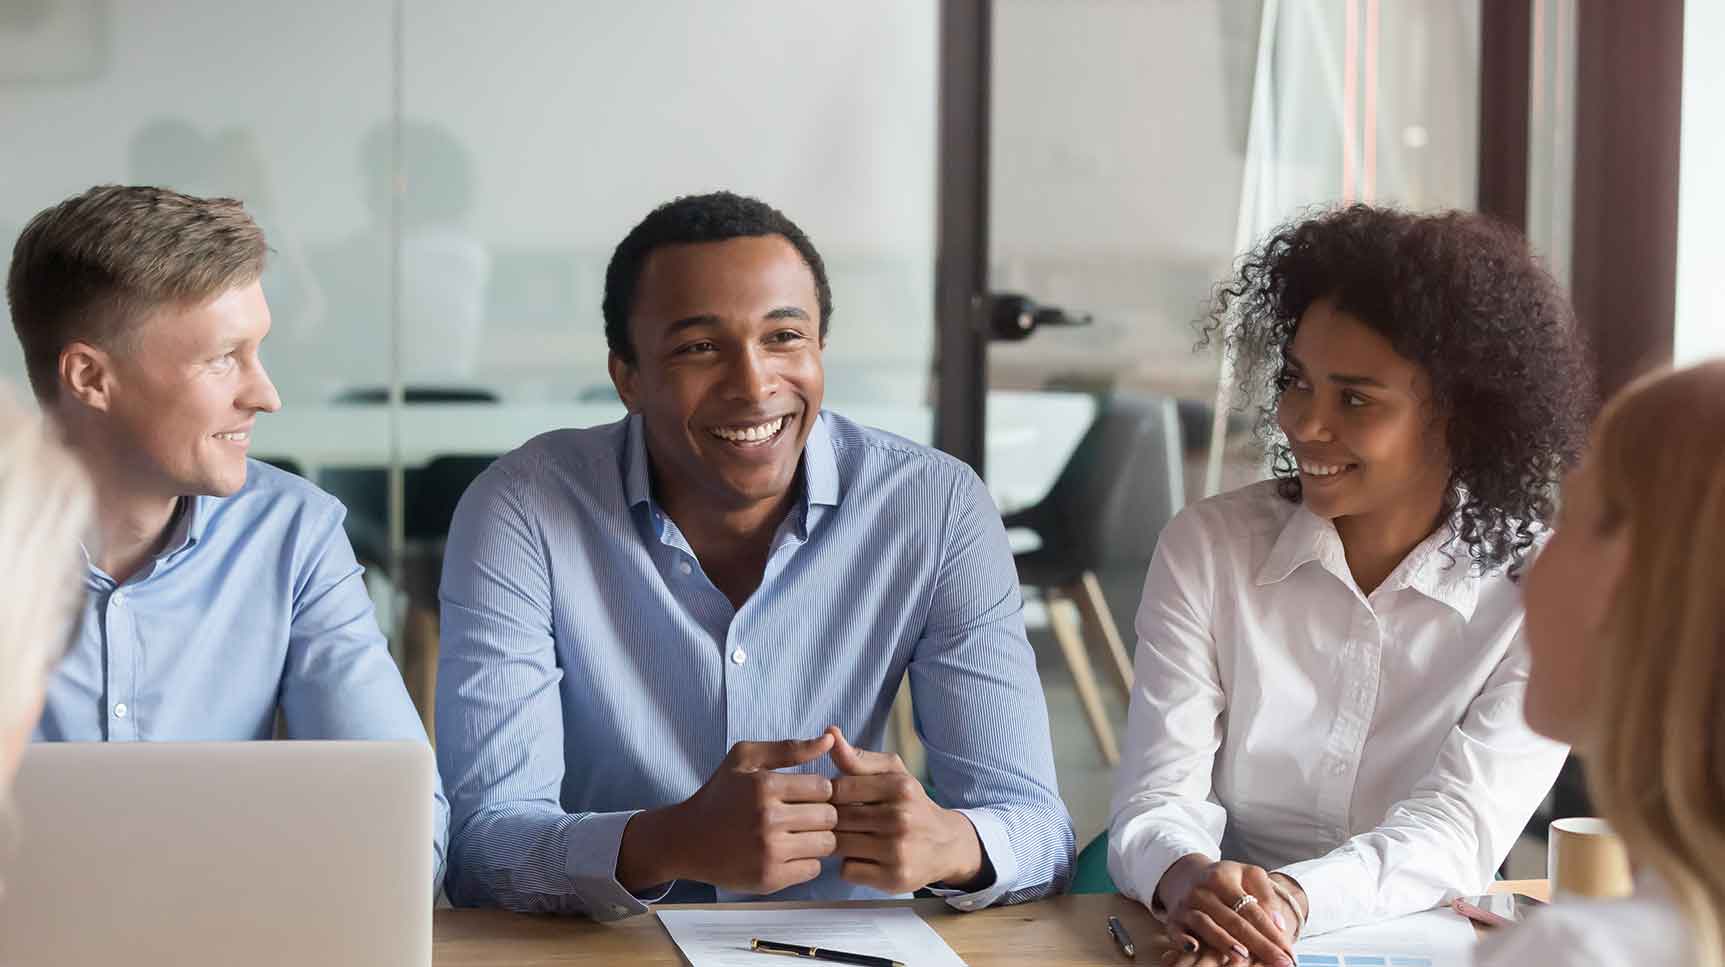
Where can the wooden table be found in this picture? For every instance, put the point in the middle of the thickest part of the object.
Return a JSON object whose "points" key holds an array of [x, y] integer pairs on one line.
{"points": [[1538, 889], [1066, 931]]}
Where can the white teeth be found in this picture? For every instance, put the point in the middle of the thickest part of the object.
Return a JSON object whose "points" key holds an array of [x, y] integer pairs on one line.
{"points": [[235, 437], [752, 434], [1321, 469]]}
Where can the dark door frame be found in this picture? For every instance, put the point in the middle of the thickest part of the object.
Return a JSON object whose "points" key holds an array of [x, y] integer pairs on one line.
{"points": [[1628, 139], [1505, 69], [961, 232]]}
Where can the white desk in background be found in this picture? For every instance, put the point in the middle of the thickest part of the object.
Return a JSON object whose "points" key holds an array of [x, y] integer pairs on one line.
{"points": [[1031, 435]]}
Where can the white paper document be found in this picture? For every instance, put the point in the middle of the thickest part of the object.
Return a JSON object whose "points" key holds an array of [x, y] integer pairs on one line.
{"points": [[1435, 938], [720, 938]]}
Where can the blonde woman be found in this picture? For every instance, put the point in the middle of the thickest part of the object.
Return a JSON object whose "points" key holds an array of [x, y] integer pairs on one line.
{"points": [[1626, 622], [44, 506]]}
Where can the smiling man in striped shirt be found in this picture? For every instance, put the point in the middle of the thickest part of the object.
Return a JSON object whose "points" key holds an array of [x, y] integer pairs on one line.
{"points": [[221, 594], [662, 637]]}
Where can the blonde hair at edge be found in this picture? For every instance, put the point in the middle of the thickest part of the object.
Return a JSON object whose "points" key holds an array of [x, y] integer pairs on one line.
{"points": [[1657, 764], [45, 505]]}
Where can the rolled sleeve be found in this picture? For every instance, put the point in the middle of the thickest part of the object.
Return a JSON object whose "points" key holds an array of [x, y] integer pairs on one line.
{"points": [[1164, 806], [981, 711]]}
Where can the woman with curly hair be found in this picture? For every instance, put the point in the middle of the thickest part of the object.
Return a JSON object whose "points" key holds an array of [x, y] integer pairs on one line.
{"points": [[1626, 625], [1326, 724]]}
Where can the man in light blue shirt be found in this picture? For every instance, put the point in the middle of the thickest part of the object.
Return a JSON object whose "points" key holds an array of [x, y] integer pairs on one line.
{"points": [[220, 590], [662, 637]]}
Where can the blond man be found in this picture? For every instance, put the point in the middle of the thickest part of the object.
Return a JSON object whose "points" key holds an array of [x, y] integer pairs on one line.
{"points": [[220, 591]]}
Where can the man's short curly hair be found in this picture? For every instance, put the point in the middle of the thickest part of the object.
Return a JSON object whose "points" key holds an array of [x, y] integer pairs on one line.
{"points": [[715, 217], [1460, 295]]}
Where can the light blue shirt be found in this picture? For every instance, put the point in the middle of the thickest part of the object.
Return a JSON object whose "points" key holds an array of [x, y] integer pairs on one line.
{"points": [[590, 669], [255, 603]]}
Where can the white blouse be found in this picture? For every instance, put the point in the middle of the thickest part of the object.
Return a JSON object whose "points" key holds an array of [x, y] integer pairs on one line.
{"points": [[1646, 929], [1372, 747]]}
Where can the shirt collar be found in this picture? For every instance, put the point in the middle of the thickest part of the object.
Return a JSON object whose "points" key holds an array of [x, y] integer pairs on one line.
{"points": [[1439, 567], [1305, 538], [636, 489], [820, 465], [185, 528]]}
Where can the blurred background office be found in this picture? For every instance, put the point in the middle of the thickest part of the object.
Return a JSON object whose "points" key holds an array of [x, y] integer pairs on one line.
{"points": [[1023, 205]]}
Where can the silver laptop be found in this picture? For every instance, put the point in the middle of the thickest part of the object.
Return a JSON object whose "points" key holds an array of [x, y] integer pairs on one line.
{"points": [[224, 853]]}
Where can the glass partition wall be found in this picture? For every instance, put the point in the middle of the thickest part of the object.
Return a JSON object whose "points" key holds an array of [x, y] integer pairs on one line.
{"points": [[442, 186]]}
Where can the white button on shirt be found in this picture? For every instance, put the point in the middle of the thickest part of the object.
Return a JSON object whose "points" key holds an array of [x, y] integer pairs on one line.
{"points": [[1370, 747], [120, 710], [739, 656], [684, 567]]}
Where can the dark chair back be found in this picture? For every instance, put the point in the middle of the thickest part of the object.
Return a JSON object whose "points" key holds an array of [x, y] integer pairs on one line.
{"points": [[373, 395], [432, 492], [1122, 485], [429, 494]]}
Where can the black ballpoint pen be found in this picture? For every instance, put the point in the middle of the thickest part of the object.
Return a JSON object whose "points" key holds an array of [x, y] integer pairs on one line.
{"points": [[820, 953], [1118, 931]]}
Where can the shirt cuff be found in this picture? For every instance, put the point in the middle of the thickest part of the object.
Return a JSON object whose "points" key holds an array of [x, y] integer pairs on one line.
{"points": [[1329, 883], [1139, 872], [997, 851], [590, 860]]}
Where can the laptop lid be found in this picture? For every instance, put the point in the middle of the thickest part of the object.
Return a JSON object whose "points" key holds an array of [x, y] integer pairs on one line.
{"points": [[256, 853]]}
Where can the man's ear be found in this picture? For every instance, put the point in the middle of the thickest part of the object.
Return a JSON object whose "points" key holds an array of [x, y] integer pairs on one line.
{"points": [[87, 375], [623, 378]]}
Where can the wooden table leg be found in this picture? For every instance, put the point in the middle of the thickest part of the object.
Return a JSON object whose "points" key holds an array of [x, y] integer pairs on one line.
{"points": [[1071, 640], [1100, 620]]}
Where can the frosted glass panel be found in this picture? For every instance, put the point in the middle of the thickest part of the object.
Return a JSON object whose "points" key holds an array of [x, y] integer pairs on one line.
{"points": [[443, 186], [538, 134], [234, 98]]}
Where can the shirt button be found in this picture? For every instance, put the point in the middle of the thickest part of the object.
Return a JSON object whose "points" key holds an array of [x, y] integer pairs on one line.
{"points": [[619, 909], [739, 656], [119, 599], [120, 710], [683, 567], [1338, 768]]}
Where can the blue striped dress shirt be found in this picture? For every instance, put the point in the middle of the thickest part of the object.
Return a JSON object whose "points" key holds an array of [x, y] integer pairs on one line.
{"points": [[255, 603], [590, 669]]}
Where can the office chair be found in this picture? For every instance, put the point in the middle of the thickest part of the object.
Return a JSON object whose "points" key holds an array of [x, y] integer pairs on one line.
{"points": [[1098, 526]]}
